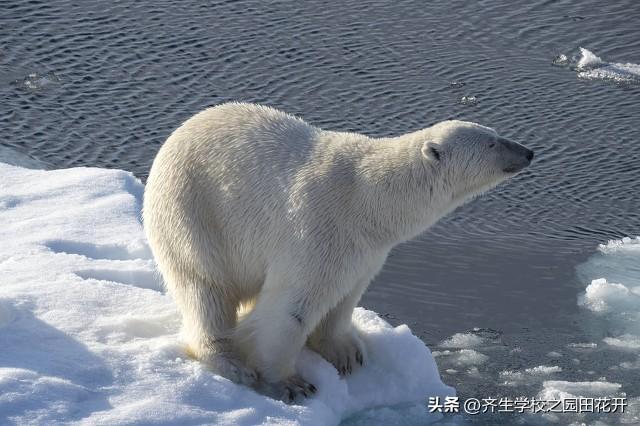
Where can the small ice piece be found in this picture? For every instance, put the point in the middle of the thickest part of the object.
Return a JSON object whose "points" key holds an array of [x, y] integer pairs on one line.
{"points": [[631, 365], [466, 357], [626, 244], [582, 345], [559, 389], [469, 100], [554, 354], [534, 374], [591, 67], [462, 357], [462, 341], [457, 84], [542, 370], [561, 60], [588, 59], [474, 372], [603, 297], [35, 81], [625, 342]]}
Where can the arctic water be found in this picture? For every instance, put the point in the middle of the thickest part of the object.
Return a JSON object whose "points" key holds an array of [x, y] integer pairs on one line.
{"points": [[504, 278]]}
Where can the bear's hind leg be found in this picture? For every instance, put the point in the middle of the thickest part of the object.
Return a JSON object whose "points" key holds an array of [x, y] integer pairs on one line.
{"points": [[208, 320]]}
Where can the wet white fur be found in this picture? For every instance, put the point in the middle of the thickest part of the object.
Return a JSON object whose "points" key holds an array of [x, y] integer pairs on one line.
{"points": [[248, 205]]}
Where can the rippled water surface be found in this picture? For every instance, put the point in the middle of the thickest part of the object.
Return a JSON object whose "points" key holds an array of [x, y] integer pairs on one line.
{"points": [[104, 83]]}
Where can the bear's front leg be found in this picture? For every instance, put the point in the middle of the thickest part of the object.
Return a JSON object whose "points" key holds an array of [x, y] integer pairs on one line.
{"points": [[336, 339], [272, 336]]}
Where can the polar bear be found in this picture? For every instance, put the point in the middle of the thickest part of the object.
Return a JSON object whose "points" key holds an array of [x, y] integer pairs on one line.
{"points": [[268, 230]]}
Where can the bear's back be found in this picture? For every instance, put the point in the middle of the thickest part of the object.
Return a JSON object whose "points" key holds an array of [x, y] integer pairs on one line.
{"points": [[230, 170], [246, 135]]}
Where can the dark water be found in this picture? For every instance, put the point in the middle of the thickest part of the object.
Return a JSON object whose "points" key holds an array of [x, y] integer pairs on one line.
{"points": [[104, 83]]}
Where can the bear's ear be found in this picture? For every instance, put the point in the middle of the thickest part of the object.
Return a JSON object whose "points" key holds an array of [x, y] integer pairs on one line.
{"points": [[431, 150]]}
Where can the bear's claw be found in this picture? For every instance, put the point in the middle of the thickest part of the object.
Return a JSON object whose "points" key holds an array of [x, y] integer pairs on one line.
{"points": [[291, 390], [233, 369], [346, 352]]}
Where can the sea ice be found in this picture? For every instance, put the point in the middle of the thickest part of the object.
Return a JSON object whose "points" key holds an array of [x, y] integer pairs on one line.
{"points": [[87, 336]]}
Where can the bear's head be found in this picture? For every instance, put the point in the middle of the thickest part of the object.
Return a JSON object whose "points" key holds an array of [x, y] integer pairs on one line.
{"points": [[470, 158]]}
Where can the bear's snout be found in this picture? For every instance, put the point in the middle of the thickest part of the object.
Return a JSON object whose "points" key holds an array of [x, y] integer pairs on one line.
{"points": [[516, 157]]}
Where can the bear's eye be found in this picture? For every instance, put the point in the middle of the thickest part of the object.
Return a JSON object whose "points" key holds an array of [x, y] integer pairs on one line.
{"points": [[492, 144]]}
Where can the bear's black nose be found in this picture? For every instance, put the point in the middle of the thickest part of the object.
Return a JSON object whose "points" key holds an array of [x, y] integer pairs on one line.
{"points": [[529, 155]]}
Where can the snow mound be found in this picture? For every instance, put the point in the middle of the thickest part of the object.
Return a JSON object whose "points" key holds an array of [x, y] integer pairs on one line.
{"points": [[87, 335]]}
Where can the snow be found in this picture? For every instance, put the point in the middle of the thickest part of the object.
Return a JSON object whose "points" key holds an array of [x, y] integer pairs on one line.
{"points": [[87, 336]]}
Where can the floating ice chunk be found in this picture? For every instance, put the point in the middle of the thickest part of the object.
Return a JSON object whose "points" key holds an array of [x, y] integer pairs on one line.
{"points": [[583, 345], [528, 375], [468, 100], [470, 357], [463, 357], [590, 66], [462, 341], [604, 297], [631, 365], [559, 389], [561, 60], [626, 244], [625, 341], [588, 59], [474, 372], [542, 370], [37, 81]]}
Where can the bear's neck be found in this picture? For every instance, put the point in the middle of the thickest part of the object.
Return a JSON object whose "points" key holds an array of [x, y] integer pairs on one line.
{"points": [[400, 193]]}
